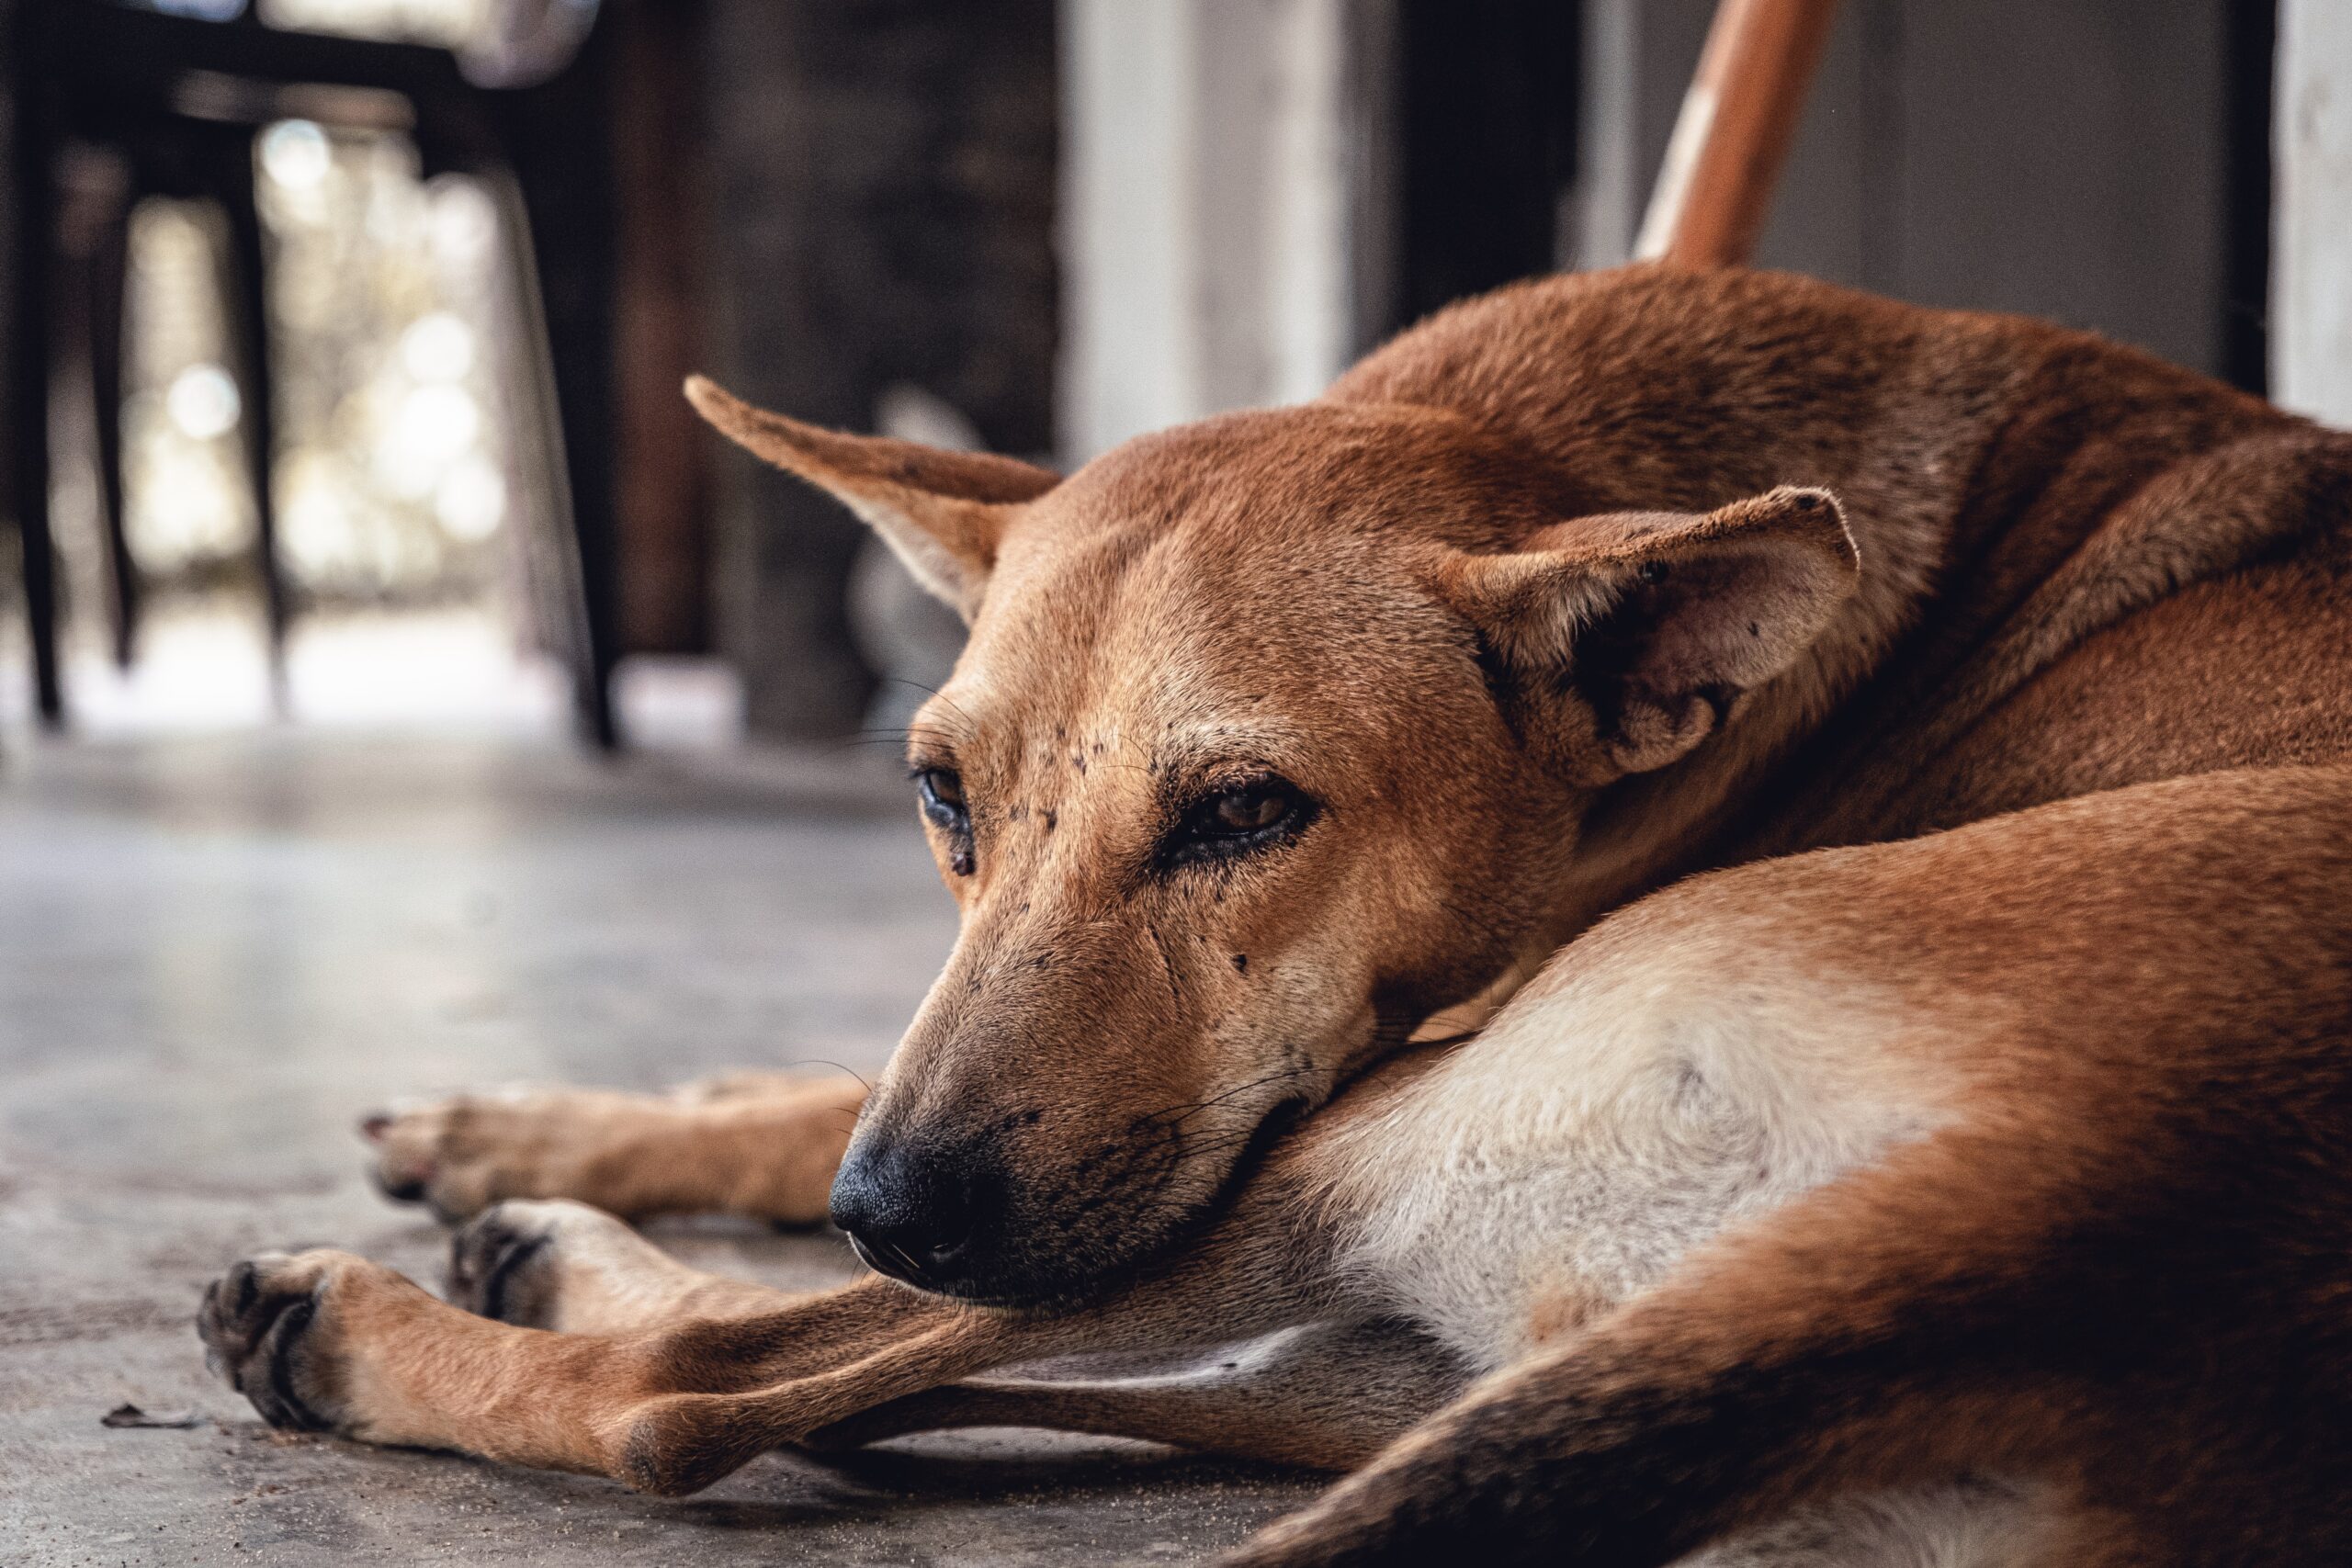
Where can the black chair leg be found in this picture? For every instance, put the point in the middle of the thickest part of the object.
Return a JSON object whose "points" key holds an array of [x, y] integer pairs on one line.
{"points": [[108, 280], [565, 186], [579, 334], [249, 321], [30, 269]]}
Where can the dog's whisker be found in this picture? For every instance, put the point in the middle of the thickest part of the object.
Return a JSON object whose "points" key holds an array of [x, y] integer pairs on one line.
{"points": [[837, 1066]]}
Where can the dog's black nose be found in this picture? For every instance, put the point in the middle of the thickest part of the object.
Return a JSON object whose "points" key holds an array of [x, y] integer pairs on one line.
{"points": [[910, 1211]]}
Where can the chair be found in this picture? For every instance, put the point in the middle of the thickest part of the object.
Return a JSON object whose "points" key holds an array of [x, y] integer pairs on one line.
{"points": [[178, 100]]}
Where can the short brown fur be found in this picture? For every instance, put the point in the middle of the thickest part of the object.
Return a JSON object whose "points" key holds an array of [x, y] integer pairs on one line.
{"points": [[1574, 592]]}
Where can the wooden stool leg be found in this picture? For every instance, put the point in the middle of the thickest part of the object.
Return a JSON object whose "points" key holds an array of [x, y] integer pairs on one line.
{"points": [[1734, 132]]}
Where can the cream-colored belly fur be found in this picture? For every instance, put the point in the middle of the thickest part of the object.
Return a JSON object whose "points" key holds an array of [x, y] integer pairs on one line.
{"points": [[1629, 1104]]}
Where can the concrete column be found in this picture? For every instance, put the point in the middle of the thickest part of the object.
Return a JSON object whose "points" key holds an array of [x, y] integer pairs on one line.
{"points": [[1209, 191], [883, 179], [2064, 159], [2311, 312]]}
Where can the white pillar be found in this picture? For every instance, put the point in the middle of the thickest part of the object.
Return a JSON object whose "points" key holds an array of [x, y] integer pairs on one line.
{"points": [[1207, 204], [2311, 288]]}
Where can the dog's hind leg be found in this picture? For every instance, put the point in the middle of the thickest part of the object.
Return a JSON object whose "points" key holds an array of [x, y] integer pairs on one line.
{"points": [[1327, 1396], [1882, 1336], [761, 1144], [1788, 1362]]}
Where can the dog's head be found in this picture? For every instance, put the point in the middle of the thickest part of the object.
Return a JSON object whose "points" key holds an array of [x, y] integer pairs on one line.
{"points": [[1274, 737]]}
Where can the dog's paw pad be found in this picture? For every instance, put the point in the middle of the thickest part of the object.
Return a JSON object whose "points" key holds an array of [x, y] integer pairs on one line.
{"points": [[498, 1265], [514, 1260], [261, 1324]]}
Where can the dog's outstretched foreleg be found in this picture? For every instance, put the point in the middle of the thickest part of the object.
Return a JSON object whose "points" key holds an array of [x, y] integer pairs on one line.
{"points": [[328, 1341], [1327, 1396]]}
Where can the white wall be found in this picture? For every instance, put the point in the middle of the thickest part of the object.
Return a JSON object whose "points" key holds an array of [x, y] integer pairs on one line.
{"points": [[1222, 180], [2310, 306], [1208, 179]]}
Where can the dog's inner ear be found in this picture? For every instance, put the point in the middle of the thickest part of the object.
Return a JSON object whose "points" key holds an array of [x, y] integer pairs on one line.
{"points": [[1622, 641], [943, 512]]}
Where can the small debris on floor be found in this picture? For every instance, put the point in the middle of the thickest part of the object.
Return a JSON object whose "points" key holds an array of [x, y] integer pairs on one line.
{"points": [[132, 1416]]}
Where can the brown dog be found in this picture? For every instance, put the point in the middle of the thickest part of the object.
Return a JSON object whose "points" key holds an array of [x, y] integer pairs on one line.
{"points": [[1980, 1192]]}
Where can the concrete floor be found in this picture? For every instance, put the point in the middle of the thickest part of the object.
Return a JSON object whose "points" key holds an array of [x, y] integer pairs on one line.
{"points": [[216, 955]]}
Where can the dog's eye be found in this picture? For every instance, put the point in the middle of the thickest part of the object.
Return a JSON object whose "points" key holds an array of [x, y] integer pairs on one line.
{"points": [[1245, 810], [942, 793], [1235, 820], [941, 790]]}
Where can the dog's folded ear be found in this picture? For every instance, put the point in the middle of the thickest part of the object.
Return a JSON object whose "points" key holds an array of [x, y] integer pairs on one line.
{"points": [[942, 511], [1619, 642]]}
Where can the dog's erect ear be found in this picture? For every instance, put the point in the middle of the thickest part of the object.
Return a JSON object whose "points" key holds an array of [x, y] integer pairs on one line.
{"points": [[1623, 640], [942, 511]]}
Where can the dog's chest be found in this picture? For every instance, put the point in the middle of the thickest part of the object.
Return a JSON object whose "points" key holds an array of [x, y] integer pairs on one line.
{"points": [[1566, 1161], [1518, 1237]]}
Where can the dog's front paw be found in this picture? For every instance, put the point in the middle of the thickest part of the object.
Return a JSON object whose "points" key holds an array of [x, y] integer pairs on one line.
{"points": [[460, 1156], [499, 1265], [514, 1260], [270, 1328], [555, 1264]]}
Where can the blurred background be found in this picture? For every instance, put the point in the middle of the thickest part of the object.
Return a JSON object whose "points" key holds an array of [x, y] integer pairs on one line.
{"points": [[401, 693], [345, 334]]}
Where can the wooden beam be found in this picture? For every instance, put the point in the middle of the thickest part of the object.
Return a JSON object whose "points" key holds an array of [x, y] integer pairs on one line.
{"points": [[1737, 121]]}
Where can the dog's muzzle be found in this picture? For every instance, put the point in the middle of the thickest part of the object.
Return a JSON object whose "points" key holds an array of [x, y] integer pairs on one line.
{"points": [[914, 1212]]}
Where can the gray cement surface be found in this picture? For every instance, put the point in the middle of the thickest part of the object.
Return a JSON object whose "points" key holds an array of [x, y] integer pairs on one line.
{"points": [[216, 955]]}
